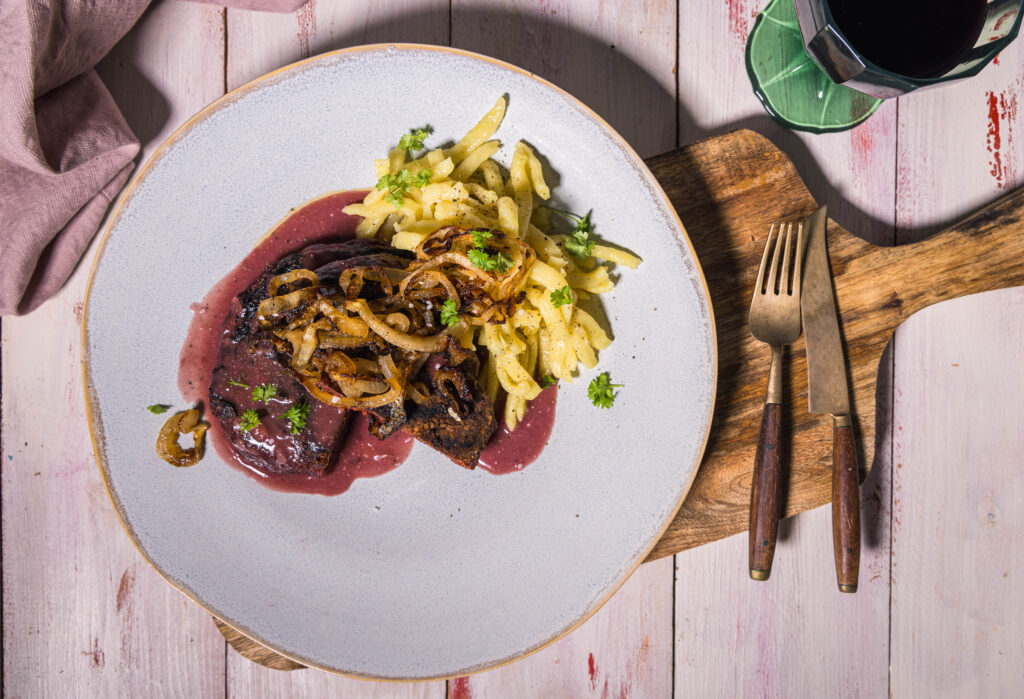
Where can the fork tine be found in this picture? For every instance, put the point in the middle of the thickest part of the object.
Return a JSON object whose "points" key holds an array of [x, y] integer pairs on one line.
{"points": [[784, 283], [774, 263], [759, 287]]}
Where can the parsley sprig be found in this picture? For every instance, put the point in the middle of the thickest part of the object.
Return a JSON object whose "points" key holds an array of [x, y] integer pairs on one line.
{"points": [[561, 297], [481, 236], [449, 313], [580, 242], [264, 392], [250, 420], [158, 408], [483, 257], [413, 141], [498, 262], [548, 380], [236, 382], [600, 391], [296, 416], [399, 184]]}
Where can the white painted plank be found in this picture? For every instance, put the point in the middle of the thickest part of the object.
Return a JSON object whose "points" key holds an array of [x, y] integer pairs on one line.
{"points": [[625, 650], [957, 605], [257, 44], [957, 620], [961, 146], [84, 615], [247, 679], [795, 635], [616, 57], [261, 42], [619, 59]]}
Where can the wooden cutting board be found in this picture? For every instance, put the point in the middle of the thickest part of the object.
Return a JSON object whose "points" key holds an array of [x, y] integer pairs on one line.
{"points": [[727, 190]]}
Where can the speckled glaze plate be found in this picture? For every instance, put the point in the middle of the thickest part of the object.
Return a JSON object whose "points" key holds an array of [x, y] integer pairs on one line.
{"points": [[428, 571]]}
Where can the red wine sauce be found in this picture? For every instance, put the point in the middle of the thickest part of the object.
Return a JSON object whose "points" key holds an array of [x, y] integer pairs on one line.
{"points": [[508, 452], [362, 455]]}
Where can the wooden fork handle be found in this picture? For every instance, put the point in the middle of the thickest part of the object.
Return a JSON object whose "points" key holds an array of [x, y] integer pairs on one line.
{"points": [[845, 506], [765, 494]]}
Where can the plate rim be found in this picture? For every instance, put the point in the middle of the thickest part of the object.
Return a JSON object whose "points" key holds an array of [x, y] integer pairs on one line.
{"points": [[94, 417]]}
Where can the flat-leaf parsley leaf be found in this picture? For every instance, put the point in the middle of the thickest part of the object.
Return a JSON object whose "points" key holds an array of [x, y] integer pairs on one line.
{"points": [[296, 417], [399, 184], [498, 262], [413, 141], [479, 258], [422, 178], [449, 313], [158, 408], [264, 392], [560, 297], [480, 237], [548, 380], [579, 243], [250, 419], [600, 391]]}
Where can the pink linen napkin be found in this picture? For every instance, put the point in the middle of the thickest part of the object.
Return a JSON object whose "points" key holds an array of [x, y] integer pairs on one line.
{"points": [[65, 149]]}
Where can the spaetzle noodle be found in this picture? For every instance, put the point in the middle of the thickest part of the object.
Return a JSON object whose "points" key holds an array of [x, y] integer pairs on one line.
{"points": [[469, 189]]}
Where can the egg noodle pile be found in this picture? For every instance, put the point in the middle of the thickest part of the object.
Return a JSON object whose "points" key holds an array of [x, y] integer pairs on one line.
{"points": [[546, 335]]}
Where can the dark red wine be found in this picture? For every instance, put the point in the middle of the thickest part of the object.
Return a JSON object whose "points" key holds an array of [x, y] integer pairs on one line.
{"points": [[916, 38]]}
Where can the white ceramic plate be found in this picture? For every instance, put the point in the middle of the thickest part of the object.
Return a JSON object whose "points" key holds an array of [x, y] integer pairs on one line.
{"points": [[428, 571]]}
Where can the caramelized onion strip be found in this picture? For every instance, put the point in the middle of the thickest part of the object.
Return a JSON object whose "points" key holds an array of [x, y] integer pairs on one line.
{"points": [[344, 323], [276, 305], [415, 343], [322, 393], [167, 447], [288, 277]]}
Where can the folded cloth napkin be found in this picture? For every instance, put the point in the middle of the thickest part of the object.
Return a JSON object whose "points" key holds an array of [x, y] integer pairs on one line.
{"points": [[65, 149]]}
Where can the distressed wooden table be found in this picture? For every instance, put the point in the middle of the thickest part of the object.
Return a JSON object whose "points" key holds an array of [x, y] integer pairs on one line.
{"points": [[940, 609]]}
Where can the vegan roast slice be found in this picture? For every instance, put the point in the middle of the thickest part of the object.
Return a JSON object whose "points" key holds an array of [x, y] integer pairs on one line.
{"points": [[457, 419]]}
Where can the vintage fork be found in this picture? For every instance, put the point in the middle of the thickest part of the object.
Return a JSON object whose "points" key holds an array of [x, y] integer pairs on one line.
{"points": [[775, 320]]}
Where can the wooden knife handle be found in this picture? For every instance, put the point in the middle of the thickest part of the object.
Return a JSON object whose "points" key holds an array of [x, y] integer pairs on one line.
{"points": [[845, 507], [765, 494]]}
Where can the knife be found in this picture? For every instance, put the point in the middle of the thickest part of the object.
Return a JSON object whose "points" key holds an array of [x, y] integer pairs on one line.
{"points": [[829, 393]]}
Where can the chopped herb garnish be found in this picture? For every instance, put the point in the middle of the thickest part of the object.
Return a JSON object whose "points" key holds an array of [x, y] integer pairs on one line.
{"points": [[413, 141], [479, 258], [158, 408], [560, 297], [296, 417], [449, 313], [422, 178], [483, 257], [548, 380], [264, 392], [236, 382], [498, 262], [600, 391], [249, 420], [502, 263], [579, 242], [480, 237], [399, 184]]}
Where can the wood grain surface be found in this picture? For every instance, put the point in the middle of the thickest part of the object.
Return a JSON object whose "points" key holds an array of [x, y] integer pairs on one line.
{"points": [[940, 609], [729, 189], [765, 493]]}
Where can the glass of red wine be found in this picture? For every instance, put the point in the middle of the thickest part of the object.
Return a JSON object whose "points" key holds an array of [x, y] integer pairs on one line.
{"points": [[825, 65]]}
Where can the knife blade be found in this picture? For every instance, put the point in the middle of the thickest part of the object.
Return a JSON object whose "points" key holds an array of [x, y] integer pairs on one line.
{"points": [[829, 393]]}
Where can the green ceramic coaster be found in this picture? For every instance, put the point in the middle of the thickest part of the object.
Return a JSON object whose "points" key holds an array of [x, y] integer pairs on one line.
{"points": [[795, 91]]}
